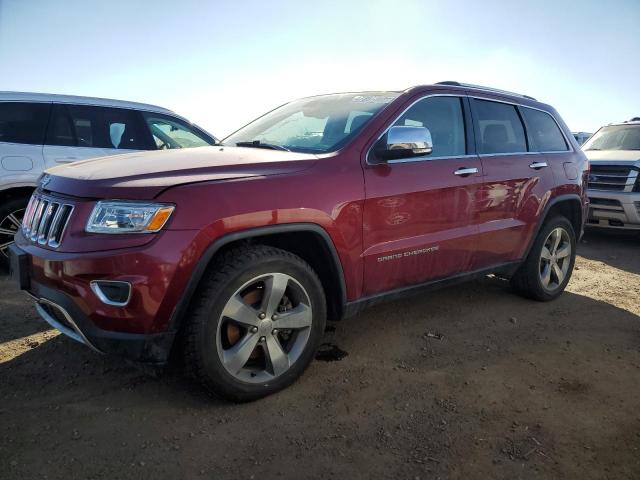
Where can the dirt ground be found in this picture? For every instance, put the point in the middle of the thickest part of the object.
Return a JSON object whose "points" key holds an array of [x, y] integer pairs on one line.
{"points": [[467, 382]]}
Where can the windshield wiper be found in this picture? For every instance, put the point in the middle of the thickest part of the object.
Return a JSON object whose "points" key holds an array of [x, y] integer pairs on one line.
{"points": [[259, 144]]}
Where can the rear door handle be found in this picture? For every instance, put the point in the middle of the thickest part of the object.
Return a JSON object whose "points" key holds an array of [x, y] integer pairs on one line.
{"points": [[464, 172], [538, 165]]}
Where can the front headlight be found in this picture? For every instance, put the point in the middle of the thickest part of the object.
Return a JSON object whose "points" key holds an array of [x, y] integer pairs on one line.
{"points": [[128, 217]]}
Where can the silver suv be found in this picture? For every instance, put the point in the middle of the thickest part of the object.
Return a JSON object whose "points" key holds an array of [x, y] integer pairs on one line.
{"points": [[38, 131], [614, 182]]}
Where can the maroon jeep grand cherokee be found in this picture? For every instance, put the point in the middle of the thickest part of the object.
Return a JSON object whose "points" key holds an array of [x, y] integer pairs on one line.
{"points": [[239, 252]]}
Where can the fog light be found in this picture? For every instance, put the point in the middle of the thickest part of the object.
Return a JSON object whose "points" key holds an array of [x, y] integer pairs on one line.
{"points": [[112, 292]]}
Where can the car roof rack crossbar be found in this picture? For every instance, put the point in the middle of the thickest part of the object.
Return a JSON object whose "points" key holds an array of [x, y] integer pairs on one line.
{"points": [[481, 87]]}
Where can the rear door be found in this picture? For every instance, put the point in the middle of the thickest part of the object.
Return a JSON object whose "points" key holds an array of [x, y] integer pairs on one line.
{"points": [[515, 181], [546, 138], [22, 129], [78, 132], [418, 213]]}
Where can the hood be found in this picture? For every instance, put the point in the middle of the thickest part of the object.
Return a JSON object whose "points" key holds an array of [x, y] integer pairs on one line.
{"points": [[143, 175], [622, 156]]}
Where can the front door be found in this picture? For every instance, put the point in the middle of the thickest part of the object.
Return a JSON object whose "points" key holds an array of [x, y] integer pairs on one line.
{"points": [[419, 212]]}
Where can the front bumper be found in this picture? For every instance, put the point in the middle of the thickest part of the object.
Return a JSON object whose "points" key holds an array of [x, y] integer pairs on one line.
{"points": [[63, 315], [142, 329], [614, 210]]}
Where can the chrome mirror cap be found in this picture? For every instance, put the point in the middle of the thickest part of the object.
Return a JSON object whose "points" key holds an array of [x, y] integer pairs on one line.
{"points": [[416, 139], [405, 142]]}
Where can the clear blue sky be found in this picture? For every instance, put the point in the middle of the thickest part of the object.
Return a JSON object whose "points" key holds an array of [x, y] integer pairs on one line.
{"points": [[223, 63]]}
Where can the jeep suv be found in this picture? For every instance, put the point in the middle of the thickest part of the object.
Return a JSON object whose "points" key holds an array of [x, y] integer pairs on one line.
{"points": [[239, 253], [614, 183], [39, 130]]}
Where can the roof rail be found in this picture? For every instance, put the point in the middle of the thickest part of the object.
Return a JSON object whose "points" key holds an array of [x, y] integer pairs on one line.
{"points": [[480, 87]]}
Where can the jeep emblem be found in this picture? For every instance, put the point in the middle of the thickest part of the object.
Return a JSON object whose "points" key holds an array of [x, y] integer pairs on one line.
{"points": [[45, 180]]}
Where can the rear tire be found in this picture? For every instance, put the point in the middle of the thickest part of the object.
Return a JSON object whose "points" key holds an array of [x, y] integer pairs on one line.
{"points": [[547, 269], [11, 213], [255, 323]]}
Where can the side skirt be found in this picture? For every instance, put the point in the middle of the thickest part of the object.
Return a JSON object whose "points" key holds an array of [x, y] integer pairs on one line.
{"points": [[354, 308]]}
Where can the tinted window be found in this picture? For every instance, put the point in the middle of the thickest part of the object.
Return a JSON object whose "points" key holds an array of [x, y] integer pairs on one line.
{"points": [[544, 133], [97, 127], [500, 128], [170, 132], [444, 118], [23, 122]]}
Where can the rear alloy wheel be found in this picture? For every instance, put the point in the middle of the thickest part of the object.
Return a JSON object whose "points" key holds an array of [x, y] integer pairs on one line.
{"points": [[555, 259], [547, 269], [11, 214], [255, 323]]}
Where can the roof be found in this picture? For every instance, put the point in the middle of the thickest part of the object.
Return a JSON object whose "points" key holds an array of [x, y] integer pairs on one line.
{"points": [[55, 98], [485, 89], [628, 122]]}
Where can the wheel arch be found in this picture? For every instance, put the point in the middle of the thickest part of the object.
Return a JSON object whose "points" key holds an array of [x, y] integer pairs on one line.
{"points": [[316, 248], [569, 206], [16, 192]]}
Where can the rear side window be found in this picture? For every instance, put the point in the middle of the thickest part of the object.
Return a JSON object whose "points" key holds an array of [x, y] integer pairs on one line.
{"points": [[22, 122], [499, 128], [97, 127], [544, 133], [168, 132], [444, 118]]}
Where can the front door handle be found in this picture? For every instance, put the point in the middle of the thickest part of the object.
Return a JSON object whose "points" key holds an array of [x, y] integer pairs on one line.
{"points": [[538, 165], [465, 172]]}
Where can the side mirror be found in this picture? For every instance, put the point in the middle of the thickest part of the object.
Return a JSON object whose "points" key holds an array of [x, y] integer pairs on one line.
{"points": [[405, 142]]}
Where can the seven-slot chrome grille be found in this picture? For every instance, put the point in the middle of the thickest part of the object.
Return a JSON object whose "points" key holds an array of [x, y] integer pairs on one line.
{"points": [[45, 220]]}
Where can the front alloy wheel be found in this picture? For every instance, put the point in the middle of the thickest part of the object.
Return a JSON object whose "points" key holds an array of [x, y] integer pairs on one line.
{"points": [[255, 323], [264, 327]]}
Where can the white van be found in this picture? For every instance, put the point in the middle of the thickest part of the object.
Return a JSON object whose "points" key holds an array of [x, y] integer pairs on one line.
{"points": [[38, 131]]}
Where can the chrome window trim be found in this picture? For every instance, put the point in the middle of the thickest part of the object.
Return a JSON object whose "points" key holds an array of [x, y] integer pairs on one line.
{"points": [[516, 104], [428, 158], [423, 158], [507, 154]]}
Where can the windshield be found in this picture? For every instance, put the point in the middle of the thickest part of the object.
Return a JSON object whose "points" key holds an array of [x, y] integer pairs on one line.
{"points": [[615, 137], [313, 125]]}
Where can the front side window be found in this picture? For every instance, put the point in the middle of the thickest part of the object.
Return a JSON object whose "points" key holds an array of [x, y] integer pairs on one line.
{"points": [[22, 122], [615, 137], [316, 124], [499, 128], [444, 118], [169, 133], [95, 127], [544, 133]]}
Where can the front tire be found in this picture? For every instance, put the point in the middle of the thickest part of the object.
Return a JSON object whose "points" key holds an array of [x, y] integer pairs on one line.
{"points": [[255, 324], [547, 269]]}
